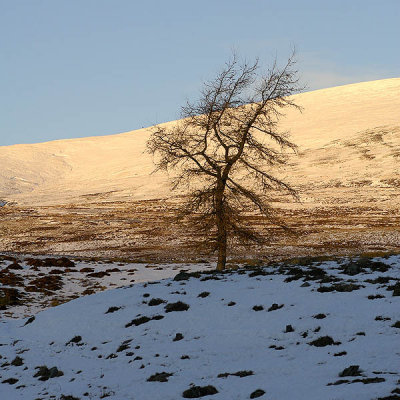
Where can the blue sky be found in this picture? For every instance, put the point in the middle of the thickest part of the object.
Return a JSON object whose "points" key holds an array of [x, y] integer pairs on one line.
{"points": [[73, 68]]}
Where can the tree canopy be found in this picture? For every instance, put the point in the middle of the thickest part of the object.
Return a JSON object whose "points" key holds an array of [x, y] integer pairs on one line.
{"points": [[225, 148]]}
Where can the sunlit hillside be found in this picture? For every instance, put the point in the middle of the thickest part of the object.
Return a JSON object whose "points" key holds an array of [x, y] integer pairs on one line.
{"points": [[347, 135]]}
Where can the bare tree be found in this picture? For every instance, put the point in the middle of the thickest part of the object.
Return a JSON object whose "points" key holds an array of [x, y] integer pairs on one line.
{"points": [[225, 146]]}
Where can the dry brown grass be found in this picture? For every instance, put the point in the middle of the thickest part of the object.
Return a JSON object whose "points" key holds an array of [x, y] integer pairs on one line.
{"points": [[352, 222]]}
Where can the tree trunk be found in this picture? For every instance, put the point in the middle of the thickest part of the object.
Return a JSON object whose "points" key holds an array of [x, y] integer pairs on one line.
{"points": [[222, 244], [221, 227]]}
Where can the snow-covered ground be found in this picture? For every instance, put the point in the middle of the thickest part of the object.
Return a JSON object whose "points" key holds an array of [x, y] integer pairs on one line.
{"points": [[43, 282], [138, 342]]}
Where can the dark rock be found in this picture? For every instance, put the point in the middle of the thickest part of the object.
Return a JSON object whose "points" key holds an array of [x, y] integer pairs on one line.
{"points": [[100, 274], [375, 296], [199, 391], [339, 287], [289, 328], [367, 381], [156, 302], [178, 337], [352, 268], [138, 321], [339, 382], [240, 374], [258, 308], [346, 287], [178, 306], [382, 318], [203, 294], [323, 341], [210, 278], [231, 303], [330, 279], [356, 266], [319, 316], [396, 324], [17, 362], [75, 339], [159, 377], [45, 373], [10, 381], [396, 289], [325, 289], [315, 273], [296, 272], [362, 262], [377, 266], [112, 309], [353, 370], [257, 393], [182, 276], [143, 320], [342, 353], [30, 320], [258, 272], [122, 347], [275, 307], [379, 280]]}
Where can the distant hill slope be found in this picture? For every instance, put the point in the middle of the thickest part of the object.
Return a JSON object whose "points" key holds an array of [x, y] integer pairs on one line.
{"points": [[347, 136]]}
